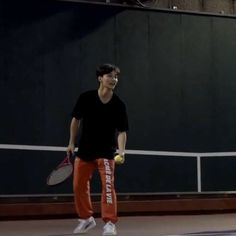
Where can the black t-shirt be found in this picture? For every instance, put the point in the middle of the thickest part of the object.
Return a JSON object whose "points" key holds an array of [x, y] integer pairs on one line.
{"points": [[99, 125]]}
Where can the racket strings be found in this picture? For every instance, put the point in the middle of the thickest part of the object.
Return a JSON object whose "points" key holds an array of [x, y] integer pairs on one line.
{"points": [[60, 174]]}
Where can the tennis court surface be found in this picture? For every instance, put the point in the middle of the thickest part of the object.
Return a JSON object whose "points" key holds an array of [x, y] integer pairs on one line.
{"points": [[188, 225]]}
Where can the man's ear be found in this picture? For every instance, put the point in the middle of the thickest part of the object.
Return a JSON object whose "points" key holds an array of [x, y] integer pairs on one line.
{"points": [[99, 78]]}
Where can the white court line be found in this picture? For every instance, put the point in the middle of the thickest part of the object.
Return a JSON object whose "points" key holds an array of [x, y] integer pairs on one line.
{"points": [[213, 233], [205, 234]]}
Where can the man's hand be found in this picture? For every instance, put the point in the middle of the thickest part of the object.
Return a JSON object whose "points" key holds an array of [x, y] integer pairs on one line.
{"points": [[119, 158], [70, 149]]}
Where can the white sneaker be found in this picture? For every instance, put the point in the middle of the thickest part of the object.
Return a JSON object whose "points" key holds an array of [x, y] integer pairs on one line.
{"points": [[109, 229], [84, 225]]}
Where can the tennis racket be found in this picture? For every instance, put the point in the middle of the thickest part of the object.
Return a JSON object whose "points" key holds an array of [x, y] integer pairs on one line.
{"points": [[62, 172]]}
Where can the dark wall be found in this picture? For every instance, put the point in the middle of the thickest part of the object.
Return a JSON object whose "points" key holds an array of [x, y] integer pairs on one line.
{"points": [[49, 57], [178, 81]]}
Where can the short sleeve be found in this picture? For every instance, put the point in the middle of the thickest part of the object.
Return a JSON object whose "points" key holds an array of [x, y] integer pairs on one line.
{"points": [[79, 108], [122, 123]]}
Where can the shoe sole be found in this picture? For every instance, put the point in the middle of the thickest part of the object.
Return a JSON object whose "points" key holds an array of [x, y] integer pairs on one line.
{"points": [[109, 234]]}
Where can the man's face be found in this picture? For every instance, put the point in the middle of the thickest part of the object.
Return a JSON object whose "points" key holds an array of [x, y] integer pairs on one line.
{"points": [[109, 80]]}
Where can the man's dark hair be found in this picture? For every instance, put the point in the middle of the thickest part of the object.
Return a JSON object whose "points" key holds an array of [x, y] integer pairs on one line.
{"points": [[106, 69]]}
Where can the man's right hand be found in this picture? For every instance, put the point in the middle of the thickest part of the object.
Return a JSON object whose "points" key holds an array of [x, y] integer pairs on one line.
{"points": [[70, 149]]}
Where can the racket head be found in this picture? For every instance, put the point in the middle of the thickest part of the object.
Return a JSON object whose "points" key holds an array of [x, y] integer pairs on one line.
{"points": [[62, 172]]}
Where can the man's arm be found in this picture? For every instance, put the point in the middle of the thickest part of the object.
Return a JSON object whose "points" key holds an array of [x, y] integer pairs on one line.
{"points": [[74, 127], [121, 140]]}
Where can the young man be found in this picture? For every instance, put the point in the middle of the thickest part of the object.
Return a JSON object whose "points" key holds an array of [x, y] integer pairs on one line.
{"points": [[102, 117]]}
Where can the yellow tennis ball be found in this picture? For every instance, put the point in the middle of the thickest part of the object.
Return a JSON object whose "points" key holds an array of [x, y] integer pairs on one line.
{"points": [[119, 159]]}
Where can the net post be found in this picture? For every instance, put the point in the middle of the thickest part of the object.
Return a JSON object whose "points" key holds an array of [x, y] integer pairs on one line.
{"points": [[199, 177]]}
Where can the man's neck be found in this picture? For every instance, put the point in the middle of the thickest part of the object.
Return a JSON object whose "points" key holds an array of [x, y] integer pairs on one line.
{"points": [[105, 94]]}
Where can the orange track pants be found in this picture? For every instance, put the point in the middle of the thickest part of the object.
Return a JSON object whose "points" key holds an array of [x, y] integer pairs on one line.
{"points": [[83, 172]]}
